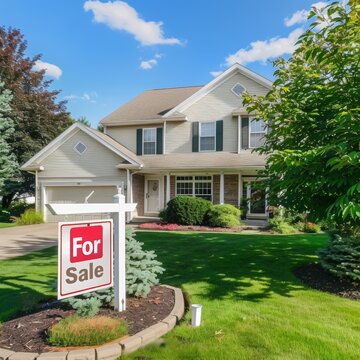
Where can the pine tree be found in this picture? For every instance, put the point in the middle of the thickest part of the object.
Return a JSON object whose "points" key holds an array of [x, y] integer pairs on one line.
{"points": [[8, 164], [142, 268]]}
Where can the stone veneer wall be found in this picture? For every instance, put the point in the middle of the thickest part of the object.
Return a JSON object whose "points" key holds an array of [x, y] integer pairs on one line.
{"points": [[138, 192], [216, 189]]}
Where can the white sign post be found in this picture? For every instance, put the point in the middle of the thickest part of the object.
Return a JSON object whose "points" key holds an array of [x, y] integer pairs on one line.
{"points": [[118, 210]]}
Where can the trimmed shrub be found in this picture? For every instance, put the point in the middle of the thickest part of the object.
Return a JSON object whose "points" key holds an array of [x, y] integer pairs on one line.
{"points": [[223, 215], [77, 331], [15, 209], [342, 257], [309, 227], [279, 225], [29, 217], [186, 210]]}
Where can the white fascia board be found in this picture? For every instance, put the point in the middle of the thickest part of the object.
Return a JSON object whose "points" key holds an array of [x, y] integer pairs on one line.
{"points": [[57, 142], [52, 146], [110, 147], [213, 84]]}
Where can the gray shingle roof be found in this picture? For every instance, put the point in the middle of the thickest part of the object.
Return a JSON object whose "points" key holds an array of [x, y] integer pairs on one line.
{"points": [[149, 105]]}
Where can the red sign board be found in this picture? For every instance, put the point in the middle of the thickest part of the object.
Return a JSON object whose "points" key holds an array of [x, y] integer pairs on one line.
{"points": [[85, 257]]}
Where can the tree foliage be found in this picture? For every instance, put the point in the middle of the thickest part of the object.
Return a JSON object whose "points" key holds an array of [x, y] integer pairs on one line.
{"points": [[8, 164], [37, 115], [313, 110]]}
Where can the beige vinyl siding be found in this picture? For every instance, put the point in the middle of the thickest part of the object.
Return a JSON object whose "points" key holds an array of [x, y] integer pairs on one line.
{"points": [[178, 137], [219, 104], [126, 135], [77, 194], [97, 161]]}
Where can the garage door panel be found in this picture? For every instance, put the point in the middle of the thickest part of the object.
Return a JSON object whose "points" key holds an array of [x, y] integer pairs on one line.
{"points": [[73, 194]]}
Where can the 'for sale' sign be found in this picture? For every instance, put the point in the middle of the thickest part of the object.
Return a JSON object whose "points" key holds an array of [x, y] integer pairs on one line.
{"points": [[85, 257]]}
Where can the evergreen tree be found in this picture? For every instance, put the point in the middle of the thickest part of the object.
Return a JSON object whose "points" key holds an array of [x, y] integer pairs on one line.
{"points": [[37, 116], [8, 164]]}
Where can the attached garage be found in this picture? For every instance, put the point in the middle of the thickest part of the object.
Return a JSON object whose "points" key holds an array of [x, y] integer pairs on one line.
{"points": [[78, 194]]}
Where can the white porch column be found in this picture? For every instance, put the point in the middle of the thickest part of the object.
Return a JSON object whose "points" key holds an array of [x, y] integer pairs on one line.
{"points": [[44, 201], [240, 189], [222, 188], [167, 188]]}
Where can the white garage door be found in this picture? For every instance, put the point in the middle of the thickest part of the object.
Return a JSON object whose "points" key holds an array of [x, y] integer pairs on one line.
{"points": [[72, 194]]}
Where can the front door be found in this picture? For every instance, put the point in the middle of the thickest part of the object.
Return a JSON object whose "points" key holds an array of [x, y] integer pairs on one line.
{"points": [[152, 196]]}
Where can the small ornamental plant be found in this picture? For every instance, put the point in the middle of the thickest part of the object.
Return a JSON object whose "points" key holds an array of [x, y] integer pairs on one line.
{"points": [[78, 331]]}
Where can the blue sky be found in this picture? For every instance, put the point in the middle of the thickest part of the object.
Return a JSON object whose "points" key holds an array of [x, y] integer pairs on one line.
{"points": [[102, 53]]}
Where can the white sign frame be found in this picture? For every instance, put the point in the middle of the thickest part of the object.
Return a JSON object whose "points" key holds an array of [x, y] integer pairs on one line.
{"points": [[63, 253], [118, 210]]}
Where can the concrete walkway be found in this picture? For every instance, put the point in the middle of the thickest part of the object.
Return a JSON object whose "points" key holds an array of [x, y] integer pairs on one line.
{"points": [[20, 240]]}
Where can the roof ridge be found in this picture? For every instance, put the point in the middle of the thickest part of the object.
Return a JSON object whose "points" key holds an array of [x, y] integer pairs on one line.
{"points": [[174, 87]]}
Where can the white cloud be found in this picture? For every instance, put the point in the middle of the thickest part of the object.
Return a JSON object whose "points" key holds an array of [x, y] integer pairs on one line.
{"points": [[300, 16], [90, 97], [149, 64], [50, 69], [121, 16], [263, 50], [215, 73]]}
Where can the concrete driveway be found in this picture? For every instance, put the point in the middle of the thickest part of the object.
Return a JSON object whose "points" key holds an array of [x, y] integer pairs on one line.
{"points": [[20, 240]]}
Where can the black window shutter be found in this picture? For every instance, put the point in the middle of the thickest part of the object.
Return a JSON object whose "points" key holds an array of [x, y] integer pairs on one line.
{"points": [[159, 140], [139, 140], [195, 137], [219, 135], [244, 133]]}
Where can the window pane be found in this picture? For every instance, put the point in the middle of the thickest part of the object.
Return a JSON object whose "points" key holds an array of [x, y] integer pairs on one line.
{"points": [[149, 135], [203, 178], [257, 140], [149, 148], [208, 129], [257, 125], [207, 143], [184, 188], [203, 190]]}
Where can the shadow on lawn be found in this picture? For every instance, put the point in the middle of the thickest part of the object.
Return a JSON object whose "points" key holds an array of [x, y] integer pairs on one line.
{"points": [[23, 282], [241, 267]]}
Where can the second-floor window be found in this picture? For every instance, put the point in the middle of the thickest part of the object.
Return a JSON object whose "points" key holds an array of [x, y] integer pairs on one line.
{"points": [[207, 136], [257, 133], [149, 141]]}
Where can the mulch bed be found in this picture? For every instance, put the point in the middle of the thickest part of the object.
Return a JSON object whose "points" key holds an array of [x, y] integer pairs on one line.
{"points": [[176, 227], [28, 333], [316, 277]]}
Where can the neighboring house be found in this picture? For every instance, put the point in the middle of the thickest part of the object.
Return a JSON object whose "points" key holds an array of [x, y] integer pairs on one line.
{"points": [[194, 141]]}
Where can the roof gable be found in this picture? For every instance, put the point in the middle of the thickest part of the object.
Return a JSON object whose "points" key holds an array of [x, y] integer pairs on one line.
{"points": [[105, 140], [236, 68]]}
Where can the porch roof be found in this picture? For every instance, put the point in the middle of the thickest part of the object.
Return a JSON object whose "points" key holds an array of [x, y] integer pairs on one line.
{"points": [[212, 160]]}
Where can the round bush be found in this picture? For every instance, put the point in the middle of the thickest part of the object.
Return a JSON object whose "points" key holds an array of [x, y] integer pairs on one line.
{"points": [[223, 215], [186, 210]]}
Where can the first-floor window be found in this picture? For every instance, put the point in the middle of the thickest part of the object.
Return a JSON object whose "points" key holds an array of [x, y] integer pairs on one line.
{"points": [[197, 186], [149, 141], [257, 133]]}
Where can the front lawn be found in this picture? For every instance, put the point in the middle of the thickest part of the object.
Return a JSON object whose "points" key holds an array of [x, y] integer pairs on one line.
{"points": [[6, 224], [253, 306]]}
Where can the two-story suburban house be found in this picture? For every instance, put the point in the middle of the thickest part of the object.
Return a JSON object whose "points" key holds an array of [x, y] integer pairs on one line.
{"points": [[194, 141]]}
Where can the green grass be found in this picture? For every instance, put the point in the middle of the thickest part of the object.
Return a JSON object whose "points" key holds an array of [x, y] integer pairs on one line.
{"points": [[253, 306], [79, 331], [6, 224]]}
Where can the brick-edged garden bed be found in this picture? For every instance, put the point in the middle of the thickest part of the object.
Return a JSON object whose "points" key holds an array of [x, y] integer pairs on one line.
{"points": [[114, 349]]}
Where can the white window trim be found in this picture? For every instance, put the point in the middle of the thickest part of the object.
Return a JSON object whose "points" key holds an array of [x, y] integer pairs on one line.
{"points": [[193, 181], [77, 151], [206, 122], [143, 141], [232, 89], [254, 132]]}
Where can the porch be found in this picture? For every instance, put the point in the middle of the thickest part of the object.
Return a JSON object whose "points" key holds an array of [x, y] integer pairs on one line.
{"points": [[152, 191]]}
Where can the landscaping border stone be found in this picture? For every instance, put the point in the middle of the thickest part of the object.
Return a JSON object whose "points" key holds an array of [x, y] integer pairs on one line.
{"points": [[112, 351]]}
